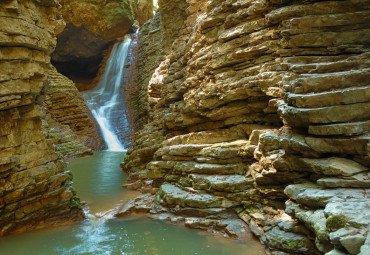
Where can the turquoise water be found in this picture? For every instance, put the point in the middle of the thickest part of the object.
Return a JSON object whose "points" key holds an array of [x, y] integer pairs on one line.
{"points": [[98, 181]]}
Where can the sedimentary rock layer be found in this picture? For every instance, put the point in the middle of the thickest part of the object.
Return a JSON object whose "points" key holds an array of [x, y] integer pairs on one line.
{"points": [[262, 106], [66, 106], [92, 27], [35, 189]]}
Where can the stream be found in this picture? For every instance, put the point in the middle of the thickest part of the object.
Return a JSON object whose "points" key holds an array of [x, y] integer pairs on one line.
{"points": [[98, 181]]}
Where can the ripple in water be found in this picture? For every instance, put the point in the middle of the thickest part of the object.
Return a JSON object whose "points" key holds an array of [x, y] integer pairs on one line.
{"points": [[101, 233]]}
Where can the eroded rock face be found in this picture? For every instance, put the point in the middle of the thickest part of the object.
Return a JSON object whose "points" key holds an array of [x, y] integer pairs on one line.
{"points": [[255, 96], [67, 107], [143, 10], [35, 189], [149, 49], [91, 27]]}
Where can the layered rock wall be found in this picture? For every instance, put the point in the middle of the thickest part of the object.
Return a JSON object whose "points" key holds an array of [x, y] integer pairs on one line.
{"points": [[143, 10], [91, 27], [35, 189], [67, 107], [262, 107], [148, 51]]}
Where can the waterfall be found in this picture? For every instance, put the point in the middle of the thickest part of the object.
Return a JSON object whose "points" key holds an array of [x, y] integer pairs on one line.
{"points": [[105, 101]]}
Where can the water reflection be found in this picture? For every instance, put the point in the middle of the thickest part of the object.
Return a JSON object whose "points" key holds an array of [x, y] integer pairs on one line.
{"points": [[98, 180]]}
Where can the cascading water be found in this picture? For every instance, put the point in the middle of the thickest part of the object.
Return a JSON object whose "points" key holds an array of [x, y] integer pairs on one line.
{"points": [[105, 102], [98, 180]]}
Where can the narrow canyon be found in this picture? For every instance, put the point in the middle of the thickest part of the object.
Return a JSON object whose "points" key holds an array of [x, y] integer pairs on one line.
{"points": [[190, 126]]}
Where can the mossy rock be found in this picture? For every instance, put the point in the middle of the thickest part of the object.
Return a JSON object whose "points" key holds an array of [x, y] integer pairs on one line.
{"points": [[76, 202], [335, 222]]}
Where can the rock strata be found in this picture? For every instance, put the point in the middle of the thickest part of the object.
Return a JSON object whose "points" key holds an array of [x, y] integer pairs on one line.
{"points": [[91, 28], [67, 107], [35, 189], [263, 105]]}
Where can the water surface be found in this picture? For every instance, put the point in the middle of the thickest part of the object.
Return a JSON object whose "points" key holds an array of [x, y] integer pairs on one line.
{"points": [[98, 181]]}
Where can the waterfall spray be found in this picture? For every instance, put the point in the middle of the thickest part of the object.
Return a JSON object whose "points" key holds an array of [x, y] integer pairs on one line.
{"points": [[105, 99]]}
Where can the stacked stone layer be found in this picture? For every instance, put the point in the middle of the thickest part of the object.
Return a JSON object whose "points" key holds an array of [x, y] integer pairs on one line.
{"points": [[66, 106], [262, 106], [35, 190]]}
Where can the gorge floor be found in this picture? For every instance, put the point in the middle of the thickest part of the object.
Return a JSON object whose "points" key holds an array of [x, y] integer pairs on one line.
{"points": [[98, 180]]}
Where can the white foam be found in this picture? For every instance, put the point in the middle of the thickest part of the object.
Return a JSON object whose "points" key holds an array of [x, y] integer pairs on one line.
{"points": [[102, 100]]}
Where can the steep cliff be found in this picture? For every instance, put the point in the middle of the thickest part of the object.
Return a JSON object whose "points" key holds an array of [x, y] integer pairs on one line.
{"points": [[91, 28], [143, 10], [261, 107], [67, 107], [35, 189]]}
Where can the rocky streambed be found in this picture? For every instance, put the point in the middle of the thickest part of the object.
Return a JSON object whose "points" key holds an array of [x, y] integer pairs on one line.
{"points": [[98, 180], [249, 116]]}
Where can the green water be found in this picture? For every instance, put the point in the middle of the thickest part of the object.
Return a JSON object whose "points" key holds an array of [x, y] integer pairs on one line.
{"points": [[98, 181]]}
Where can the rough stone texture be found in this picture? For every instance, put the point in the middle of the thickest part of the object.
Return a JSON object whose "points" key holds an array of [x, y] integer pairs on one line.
{"points": [[145, 56], [35, 190], [92, 27], [143, 10], [267, 94], [66, 142], [66, 106]]}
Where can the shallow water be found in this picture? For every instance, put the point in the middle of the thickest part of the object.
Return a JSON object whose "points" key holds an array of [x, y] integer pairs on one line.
{"points": [[98, 181]]}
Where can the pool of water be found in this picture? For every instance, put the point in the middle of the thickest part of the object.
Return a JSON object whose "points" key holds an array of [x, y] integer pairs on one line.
{"points": [[98, 181]]}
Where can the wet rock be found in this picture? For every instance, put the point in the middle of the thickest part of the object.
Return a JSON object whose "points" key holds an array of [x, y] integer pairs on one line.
{"points": [[199, 223], [234, 228], [133, 186], [90, 27]]}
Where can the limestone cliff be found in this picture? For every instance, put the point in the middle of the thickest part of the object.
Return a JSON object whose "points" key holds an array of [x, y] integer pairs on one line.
{"points": [[91, 28], [143, 10], [261, 107], [67, 107], [35, 189]]}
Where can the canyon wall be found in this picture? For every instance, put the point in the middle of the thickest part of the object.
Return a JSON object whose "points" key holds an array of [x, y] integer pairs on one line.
{"points": [[91, 28], [70, 123], [35, 189], [83, 47], [261, 108]]}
